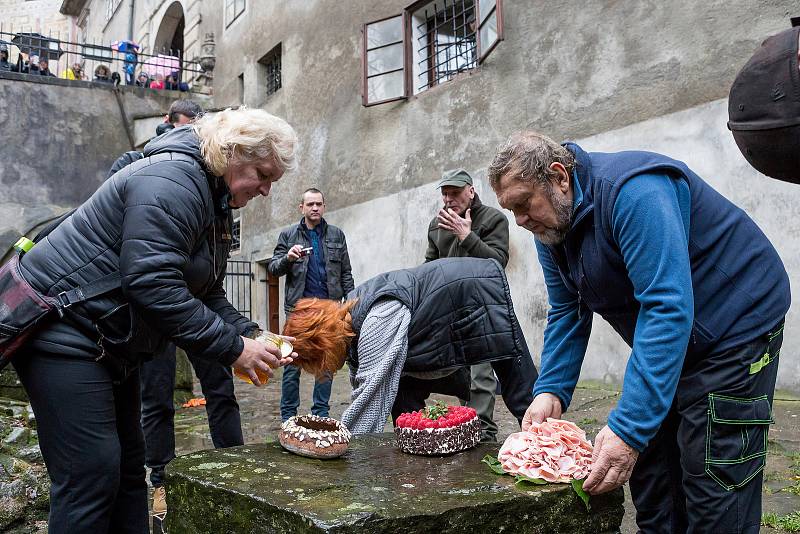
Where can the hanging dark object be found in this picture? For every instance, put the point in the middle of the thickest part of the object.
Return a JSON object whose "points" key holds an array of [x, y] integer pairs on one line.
{"points": [[764, 107], [36, 44]]}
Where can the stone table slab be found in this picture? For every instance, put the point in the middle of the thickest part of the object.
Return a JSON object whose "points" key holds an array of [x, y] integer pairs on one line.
{"points": [[372, 488]]}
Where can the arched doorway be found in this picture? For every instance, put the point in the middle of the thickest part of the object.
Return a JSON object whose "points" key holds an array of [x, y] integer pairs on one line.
{"points": [[169, 37]]}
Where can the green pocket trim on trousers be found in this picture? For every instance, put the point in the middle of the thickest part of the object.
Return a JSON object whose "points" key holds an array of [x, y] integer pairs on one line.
{"points": [[736, 438]]}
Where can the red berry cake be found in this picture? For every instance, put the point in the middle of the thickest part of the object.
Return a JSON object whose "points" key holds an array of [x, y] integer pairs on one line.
{"points": [[438, 429]]}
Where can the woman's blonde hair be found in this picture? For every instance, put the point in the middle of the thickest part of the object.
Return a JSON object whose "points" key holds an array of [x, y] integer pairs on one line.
{"points": [[246, 135]]}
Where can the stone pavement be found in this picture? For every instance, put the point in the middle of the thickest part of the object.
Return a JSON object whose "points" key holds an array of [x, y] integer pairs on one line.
{"points": [[591, 405]]}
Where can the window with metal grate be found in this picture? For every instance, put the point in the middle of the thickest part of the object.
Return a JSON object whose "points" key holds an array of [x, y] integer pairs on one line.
{"points": [[430, 43], [236, 234], [271, 64]]}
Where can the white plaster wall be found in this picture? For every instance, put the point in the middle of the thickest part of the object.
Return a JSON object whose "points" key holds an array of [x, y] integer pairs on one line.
{"points": [[699, 137], [390, 232]]}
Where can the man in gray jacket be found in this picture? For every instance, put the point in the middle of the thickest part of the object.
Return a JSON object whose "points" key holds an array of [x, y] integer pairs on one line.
{"points": [[464, 227], [313, 257]]}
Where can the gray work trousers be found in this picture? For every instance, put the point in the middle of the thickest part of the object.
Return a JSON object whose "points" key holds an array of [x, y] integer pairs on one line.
{"points": [[481, 397]]}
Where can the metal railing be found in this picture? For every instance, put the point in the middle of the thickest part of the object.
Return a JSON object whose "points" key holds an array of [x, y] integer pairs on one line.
{"points": [[238, 282], [119, 62]]}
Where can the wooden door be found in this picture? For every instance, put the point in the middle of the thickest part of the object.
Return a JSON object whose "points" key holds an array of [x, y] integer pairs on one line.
{"points": [[273, 303]]}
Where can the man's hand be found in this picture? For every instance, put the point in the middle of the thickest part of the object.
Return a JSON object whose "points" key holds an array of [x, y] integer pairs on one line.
{"points": [[612, 463], [544, 405], [294, 253], [452, 222], [262, 356]]}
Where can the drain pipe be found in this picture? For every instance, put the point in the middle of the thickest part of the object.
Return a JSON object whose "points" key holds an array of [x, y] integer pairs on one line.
{"points": [[125, 122], [130, 22]]}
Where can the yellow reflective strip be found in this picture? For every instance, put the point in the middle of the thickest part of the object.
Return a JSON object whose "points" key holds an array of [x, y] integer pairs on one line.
{"points": [[760, 364], [24, 244]]}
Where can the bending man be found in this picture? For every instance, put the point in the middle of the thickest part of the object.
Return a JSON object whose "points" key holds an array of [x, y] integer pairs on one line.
{"points": [[693, 287]]}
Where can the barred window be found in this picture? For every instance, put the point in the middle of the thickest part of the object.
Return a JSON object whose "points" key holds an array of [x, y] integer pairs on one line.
{"points": [[272, 69], [236, 234], [233, 8], [444, 42], [429, 44]]}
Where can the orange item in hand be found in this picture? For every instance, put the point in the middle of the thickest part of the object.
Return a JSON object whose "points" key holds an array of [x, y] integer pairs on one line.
{"points": [[194, 403], [267, 337], [262, 377]]}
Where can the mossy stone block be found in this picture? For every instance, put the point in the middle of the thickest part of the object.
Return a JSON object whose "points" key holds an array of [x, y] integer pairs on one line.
{"points": [[372, 488]]}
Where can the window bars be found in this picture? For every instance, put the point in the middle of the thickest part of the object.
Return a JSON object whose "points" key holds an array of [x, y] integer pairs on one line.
{"points": [[272, 69], [236, 234], [237, 284], [446, 44], [430, 42]]}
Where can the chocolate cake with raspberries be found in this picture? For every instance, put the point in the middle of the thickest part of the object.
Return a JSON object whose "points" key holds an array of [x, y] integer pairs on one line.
{"points": [[438, 429]]}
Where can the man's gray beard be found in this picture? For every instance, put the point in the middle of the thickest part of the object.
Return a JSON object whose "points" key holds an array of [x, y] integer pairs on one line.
{"points": [[563, 209]]}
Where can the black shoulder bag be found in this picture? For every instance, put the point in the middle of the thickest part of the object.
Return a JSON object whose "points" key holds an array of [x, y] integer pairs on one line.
{"points": [[23, 308]]}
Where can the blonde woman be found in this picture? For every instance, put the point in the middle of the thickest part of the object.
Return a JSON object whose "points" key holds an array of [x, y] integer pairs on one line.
{"points": [[163, 224]]}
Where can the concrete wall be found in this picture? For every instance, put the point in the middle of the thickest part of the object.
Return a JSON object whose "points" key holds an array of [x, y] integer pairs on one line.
{"points": [[697, 136], [570, 68], [60, 138], [615, 74]]}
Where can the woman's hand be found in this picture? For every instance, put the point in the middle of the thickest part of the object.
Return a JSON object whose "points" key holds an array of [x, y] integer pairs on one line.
{"points": [[263, 357]]}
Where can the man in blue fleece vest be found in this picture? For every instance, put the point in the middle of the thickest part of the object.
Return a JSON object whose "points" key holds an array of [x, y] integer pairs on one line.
{"points": [[695, 289]]}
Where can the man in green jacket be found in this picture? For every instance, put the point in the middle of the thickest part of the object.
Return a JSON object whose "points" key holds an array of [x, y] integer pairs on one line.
{"points": [[464, 227]]}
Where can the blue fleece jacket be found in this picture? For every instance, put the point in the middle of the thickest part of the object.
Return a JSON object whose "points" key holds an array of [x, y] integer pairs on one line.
{"points": [[656, 268], [636, 255]]}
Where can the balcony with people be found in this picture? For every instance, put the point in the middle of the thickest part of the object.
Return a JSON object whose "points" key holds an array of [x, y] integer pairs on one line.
{"points": [[120, 63]]}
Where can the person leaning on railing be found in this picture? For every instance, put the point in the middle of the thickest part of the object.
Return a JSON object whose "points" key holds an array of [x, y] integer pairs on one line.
{"points": [[102, 74], [143, 79], [163, 224], [44, 67], [74, 72], [5, 66]]}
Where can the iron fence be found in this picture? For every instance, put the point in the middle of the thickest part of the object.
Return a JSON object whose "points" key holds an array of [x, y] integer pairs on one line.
{"points": [[238, 282], [120, 62]]}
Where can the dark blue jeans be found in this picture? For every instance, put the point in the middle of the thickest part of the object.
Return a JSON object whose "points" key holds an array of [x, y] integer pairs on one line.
{"points": [[290, 394], [158, 408]]}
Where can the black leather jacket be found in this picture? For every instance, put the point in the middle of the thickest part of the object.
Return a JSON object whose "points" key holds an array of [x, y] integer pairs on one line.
{"points": [[337, 263]]}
